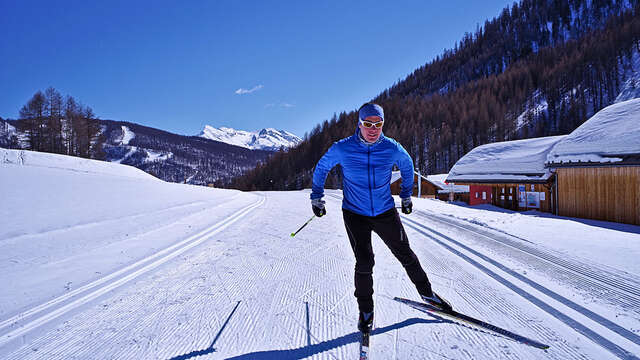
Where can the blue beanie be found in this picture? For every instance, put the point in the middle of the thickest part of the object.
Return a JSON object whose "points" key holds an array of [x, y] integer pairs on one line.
{"points": [[371, 109]]}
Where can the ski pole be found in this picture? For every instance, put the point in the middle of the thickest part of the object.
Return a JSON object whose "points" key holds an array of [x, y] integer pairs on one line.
{"points": [[305, 224]]}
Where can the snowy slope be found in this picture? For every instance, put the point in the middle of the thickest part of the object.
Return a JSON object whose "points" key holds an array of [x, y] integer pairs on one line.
{"points": [[66, 222], [172, 271], [73, 164], [144, 155], [607, 136], [127, 135], [265, 139]]}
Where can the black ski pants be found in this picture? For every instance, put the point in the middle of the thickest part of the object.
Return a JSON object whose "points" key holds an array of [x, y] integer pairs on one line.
{"points": [[388, 226]]}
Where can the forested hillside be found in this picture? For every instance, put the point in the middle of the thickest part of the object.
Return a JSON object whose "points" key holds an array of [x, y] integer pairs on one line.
{"points": [[540, 68]]}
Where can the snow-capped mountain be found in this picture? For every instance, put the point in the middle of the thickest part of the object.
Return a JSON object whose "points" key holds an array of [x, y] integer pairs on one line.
{"points": [[176, 158], [266, 139]]}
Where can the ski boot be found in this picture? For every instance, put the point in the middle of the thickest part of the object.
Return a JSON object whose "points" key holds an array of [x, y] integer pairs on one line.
{"points": [[365, 322], [437, 301]]}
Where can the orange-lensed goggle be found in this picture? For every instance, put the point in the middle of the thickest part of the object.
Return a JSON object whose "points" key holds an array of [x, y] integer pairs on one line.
{"points": [[369, 124]]}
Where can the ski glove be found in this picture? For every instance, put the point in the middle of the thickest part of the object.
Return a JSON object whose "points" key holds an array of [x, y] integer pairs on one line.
{"points": [[317, 205], [407, 206]]}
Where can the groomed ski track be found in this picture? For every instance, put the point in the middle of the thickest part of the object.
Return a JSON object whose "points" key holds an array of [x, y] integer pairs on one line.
{"points": [[249, 291]]}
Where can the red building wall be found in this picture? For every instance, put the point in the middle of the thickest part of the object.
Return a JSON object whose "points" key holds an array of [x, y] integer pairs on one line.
{"points": [[480, 194]]}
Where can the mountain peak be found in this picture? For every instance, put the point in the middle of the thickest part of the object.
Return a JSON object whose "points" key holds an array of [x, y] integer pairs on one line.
{"points": [[268, 139]]}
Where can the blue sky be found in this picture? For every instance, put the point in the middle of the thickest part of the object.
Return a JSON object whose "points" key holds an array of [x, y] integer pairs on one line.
{"points": [[243, 64]]}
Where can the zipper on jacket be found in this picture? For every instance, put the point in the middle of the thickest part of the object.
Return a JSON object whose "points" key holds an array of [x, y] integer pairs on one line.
{"points": [[369, 177], [373, 176]]}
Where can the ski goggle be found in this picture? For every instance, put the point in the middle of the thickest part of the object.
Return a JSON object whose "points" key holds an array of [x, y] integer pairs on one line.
{"points": [[369, 124]]}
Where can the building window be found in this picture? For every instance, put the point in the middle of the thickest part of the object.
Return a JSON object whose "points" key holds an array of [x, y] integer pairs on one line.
{"points": [[484, 195], [477, 195]]}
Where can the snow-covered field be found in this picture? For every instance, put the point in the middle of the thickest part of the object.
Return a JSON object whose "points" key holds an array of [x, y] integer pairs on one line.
{"points": [[101, 261]]}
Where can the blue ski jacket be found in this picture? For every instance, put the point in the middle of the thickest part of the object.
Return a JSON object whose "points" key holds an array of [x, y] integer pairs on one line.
{"points": [[366, 170]]}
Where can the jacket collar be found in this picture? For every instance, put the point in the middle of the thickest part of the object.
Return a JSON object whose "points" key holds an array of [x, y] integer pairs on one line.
{"points": [[358, 137]]}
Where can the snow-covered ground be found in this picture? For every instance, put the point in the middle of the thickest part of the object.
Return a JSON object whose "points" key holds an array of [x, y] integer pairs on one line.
{"points": [[104, 262], [599, 242]]}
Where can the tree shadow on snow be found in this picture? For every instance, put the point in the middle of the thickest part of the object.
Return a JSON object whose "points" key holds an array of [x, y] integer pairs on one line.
{"points": [[309, 350]]}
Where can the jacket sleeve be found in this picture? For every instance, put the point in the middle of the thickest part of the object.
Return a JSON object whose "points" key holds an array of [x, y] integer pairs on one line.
{"points": [[330, 159], [405, 163]]}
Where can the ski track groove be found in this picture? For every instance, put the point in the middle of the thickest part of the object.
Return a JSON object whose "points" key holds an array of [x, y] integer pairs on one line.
{"points": [[600, 281], [514, 314], [441, 271], [483, 338], [407, 288], [90, 346], [52, 335], [604, 343], [279, 279], [31, 310], [487, 296], [517, 243], [603, 324]]}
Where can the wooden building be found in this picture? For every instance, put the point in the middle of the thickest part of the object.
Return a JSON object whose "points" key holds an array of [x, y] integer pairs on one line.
{"points": [[597, 166], [606, 192], [510, 174], [592, 173], [449, 191]]}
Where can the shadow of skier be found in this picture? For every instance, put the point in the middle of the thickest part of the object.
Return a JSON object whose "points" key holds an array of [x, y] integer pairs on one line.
{"points": [[310, 350]]}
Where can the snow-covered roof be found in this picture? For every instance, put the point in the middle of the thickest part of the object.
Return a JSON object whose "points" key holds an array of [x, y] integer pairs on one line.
{"points": [[508, 161], [440, 180], [611, 135]]}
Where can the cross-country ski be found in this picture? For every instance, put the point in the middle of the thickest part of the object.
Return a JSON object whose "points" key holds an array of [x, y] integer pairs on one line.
{"points": [[468, 320], [364, 345]]}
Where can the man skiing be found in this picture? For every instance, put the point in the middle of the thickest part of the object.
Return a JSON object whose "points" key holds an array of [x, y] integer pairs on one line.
{"points": [[367, 159]]}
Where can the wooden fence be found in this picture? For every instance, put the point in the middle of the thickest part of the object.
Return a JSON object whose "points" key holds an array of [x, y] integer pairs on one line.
{"points": [[601, 193]]}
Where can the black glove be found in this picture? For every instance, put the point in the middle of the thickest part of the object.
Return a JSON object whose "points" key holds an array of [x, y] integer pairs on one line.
{"points": [[317, 205], [407, 206]]}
